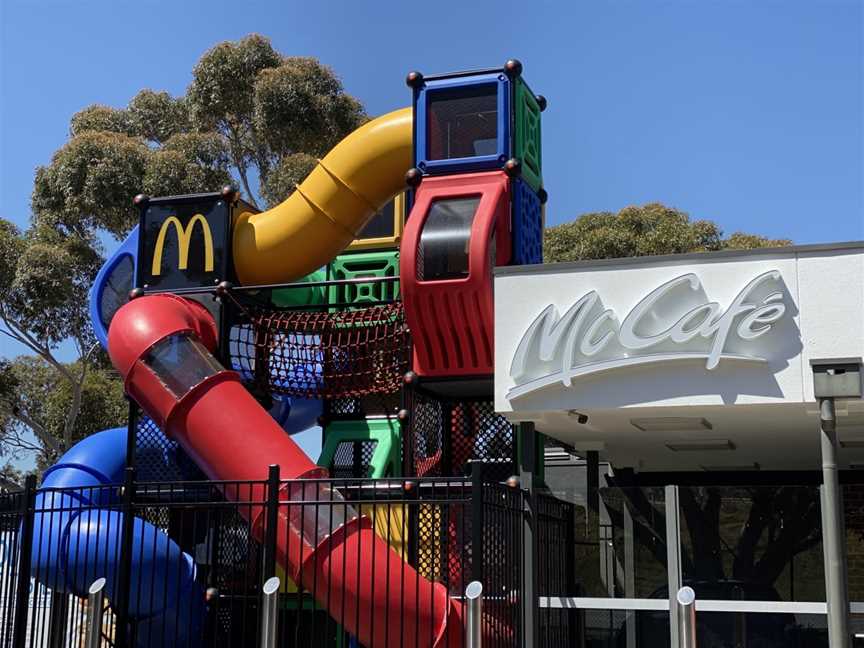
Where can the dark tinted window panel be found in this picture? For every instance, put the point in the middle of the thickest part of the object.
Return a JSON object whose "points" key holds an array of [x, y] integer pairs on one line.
{"points": [[463, 122], [381, 224], [116, 289], [444, 241]]}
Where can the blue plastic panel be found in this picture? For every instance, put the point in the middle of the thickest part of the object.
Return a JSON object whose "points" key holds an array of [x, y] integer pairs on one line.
{"points": [[448, 111], [527, 225], [112, 285]]}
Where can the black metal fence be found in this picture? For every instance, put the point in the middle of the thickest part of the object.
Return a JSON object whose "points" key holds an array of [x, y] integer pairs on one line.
{"points": [[185, 561]]}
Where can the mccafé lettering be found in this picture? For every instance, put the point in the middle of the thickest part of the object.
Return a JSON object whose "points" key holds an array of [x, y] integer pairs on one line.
{"points": [[672, 322]]}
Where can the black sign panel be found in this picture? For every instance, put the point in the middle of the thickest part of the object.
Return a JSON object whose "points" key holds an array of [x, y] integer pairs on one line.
{"points": [[184, 242]]}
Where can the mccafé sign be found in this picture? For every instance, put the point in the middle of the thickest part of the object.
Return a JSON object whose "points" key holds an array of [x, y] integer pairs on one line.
{"points": [[675, 321]]}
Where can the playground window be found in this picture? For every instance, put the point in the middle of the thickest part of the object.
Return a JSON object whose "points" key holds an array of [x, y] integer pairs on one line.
{"points": [[381, 224], [443, 249], [463, 122], [181, 362]]}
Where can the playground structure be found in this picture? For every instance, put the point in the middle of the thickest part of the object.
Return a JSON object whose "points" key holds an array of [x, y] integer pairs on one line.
{"points": [[230, 337]]}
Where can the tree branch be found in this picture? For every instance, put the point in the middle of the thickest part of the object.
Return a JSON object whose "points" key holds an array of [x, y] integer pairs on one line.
{"points": [[47, 439], [18, 333], [237, 158]]}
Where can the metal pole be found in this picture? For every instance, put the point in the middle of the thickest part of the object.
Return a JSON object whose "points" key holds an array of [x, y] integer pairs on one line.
{"points": [[673, 559], [273, 483], [269, 613], [833, 530], [95, 606], [527, 464], [474, 615], [686, 617]]}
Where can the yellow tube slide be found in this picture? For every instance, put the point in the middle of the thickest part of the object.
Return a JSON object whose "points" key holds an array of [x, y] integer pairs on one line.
{"points": [[329, 208]]}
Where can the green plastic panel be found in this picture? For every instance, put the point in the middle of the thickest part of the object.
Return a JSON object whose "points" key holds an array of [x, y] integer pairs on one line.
{"points": [[527, 140], [364, 264], [374, 443]]}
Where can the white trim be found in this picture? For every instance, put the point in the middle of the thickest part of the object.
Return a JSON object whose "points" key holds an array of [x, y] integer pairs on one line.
{"points": [[702, 605], [786, 607], [592, 603]]}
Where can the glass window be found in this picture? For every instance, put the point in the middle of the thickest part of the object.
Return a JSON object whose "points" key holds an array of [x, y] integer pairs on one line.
{"points": [[181, 362], [115, 291], [463, 122], [381, 224], [444, 241]]}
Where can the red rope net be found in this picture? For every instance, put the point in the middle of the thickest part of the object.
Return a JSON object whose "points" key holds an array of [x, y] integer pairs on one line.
{"points": [[320, 354]]}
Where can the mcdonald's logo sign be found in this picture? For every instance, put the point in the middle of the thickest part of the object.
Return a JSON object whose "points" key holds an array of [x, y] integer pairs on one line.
{"points": [[184, 239]]}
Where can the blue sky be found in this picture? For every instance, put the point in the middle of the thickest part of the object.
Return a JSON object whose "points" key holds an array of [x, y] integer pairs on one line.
{"points": [[745, 112]]}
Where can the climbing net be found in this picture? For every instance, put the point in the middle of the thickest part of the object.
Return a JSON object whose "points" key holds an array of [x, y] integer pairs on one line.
{"points": [[332, 353]]}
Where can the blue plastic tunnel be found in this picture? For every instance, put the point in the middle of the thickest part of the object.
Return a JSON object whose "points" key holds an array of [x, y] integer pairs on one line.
{"points": [[77, 539]]}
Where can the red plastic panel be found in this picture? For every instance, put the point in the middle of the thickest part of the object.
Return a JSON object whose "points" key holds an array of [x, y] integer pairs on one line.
{"points": [[448, 298]]}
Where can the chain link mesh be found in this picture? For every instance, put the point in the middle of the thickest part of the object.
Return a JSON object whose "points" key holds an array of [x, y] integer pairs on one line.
{"points": [[158, 458]]}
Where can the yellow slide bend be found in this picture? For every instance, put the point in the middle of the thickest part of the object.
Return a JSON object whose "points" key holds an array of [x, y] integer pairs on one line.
{"points": [[329, 208]]}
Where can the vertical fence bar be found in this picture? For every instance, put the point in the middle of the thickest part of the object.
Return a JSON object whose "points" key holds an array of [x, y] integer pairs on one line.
{"points": [[273, 480], [95, 606], [124, 572], [269, 612], [57, 620], [474, 615], [477, 521], [22, 587]]}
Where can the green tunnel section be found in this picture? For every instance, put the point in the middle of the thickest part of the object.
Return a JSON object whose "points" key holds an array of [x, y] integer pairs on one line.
{"points": [[301, 296], [362, 448]]}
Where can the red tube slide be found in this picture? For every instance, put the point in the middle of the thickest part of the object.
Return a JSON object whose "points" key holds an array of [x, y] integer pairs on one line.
{"points": [[161, 345]]}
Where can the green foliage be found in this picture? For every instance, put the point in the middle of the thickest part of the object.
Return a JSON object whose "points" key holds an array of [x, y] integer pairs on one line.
{"points": [[43, 398], [641, 231], [301, 106], [157, 116], [292, 170]]}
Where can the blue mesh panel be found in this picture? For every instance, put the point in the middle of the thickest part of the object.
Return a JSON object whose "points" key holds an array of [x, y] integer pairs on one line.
{"points": [[527, 225], [158, 458]]}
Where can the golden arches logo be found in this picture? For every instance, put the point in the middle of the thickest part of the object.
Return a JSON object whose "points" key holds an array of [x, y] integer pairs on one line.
{"points": [[184, 238]]}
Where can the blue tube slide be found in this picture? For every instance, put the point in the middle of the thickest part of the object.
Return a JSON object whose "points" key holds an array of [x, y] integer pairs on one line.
{"points": [[77, 539]]}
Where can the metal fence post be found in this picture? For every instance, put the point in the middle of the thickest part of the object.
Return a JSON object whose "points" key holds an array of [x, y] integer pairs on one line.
{"points": [[57, 620], [474, 615], [686, 602], [269, 612], [477, 521], [22, 586], [673, 559], [527, 463], [273, 483], [124, 572], [95, 608]]}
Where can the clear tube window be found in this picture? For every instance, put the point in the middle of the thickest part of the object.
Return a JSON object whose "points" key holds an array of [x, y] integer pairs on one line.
{"points": [[181, 362], [443, 249]]}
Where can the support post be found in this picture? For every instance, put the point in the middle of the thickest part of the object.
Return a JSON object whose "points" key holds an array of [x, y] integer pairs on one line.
{"points": [[273, 483], [22, 584], [474, 615], [685, 601], [269, 612], [527, 463], [95, 606], [673, 561], [477, 521], [124, 572], [833, 530], [131, 432]]}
